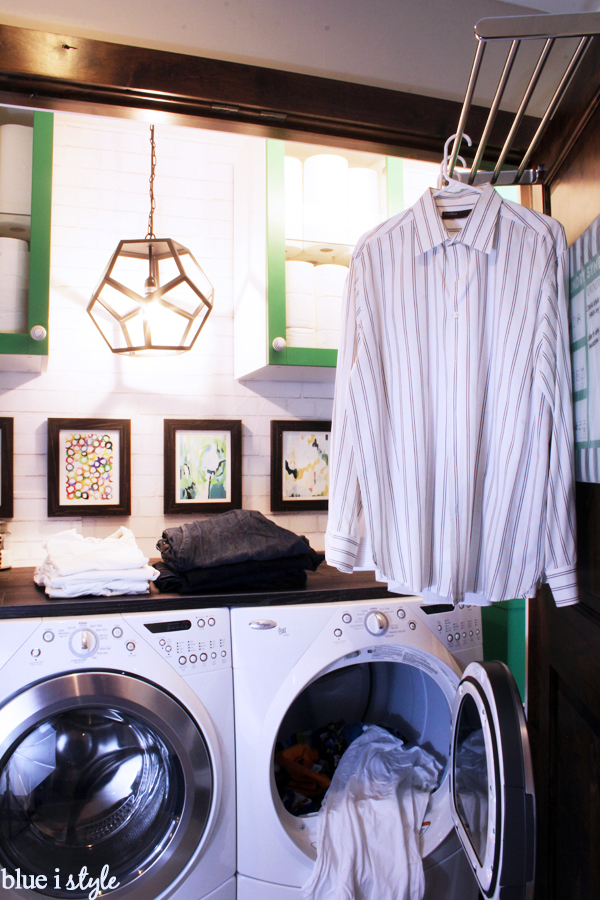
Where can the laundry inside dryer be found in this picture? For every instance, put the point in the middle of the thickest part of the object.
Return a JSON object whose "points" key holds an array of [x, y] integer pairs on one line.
{"points": [[329, 714]]}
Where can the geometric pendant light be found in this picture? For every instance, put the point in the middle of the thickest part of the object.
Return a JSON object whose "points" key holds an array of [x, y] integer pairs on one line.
{"points": [[153, 297]]}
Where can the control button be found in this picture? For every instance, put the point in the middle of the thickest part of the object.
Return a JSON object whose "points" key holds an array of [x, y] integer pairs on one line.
{"points": [[117, 632], [193, 658], [48, 636], [201, 623], [449, 638], [477, 631], [211, 622], [182, 660], [162, 642], [412, 625], [203, 657], [36, 652], [346, 618], [376, 623], [401, 613], [464, 634], [223, 653], [213, 655], [168, 648], [457, 636], [338, 632], [470, 634], [130, 646], [439, 627]]}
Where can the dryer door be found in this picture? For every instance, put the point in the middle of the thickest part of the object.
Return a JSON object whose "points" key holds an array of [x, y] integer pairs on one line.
{"points": [[491, 788], [100, 771]]}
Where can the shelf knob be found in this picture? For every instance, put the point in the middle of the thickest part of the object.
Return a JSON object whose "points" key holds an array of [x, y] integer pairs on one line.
{"points": [[38, 332], [279, 344]]}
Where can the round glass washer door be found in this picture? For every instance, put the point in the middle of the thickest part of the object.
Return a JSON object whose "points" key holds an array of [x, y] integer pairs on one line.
{"points": [[491, 781], [100, 769]]}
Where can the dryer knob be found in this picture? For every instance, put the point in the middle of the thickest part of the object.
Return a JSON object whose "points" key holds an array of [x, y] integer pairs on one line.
{"points": [[376, 623]]}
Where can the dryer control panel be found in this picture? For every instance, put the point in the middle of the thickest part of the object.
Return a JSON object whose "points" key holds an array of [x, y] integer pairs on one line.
{"points": [[196, 641], [457, 627]]}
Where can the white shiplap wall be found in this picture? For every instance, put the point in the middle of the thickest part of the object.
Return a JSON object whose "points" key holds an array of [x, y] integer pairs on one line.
{"points": [[100, 195]]}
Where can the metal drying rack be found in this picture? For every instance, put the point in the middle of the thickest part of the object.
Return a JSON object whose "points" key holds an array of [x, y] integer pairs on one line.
{"points": [[515, 29]]}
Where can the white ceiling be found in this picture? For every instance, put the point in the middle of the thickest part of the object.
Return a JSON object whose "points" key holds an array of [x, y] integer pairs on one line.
{"points": [[422, 46]]}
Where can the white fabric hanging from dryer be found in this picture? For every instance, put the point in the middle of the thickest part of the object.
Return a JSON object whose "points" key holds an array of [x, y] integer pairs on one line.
{"points": [[369, 824]]}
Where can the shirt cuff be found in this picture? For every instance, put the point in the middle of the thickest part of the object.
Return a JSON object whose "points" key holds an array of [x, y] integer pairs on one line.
{"points": [[563, 584], [341, 551]]}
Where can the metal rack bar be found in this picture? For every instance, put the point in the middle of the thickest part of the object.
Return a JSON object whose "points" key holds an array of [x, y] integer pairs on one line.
{"points": [[516, 29]]}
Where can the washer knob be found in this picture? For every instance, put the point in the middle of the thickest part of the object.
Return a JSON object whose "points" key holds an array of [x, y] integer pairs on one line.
{"points": [[401, 613], [130, 646], [412, 625], [376, 623], [346, 618], [337, 632], [36, 652], [48, 636]]}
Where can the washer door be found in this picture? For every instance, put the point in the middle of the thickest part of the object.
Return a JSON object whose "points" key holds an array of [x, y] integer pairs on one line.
{"points": [[491, 789], [101, 769]]}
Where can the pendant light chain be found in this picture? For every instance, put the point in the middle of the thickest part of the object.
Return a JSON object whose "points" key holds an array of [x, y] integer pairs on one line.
{"points": [[151, 234]]}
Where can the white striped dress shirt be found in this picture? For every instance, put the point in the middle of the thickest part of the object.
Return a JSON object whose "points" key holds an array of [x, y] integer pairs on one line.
{"points": [[452, 437]]}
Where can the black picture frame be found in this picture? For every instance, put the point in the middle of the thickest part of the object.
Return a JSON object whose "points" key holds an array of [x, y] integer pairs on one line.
{"points": [[74, 444], [6, 468], [186, 494], [281, 501]]}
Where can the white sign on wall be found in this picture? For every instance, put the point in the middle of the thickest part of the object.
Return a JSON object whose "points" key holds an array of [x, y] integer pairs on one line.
{"points": [[584, 311]]}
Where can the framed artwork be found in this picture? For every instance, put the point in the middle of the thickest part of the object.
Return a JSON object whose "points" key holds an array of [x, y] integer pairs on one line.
{"points": [[299, 465], [89, 467], [203, 465], [6, 468]]}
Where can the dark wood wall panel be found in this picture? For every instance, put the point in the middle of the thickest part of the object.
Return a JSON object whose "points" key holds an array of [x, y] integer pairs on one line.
{"points": [[45, 68]]}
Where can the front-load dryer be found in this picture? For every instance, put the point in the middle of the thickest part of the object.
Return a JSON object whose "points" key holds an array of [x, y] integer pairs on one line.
{"points": [[413, 669], [117, 767]]}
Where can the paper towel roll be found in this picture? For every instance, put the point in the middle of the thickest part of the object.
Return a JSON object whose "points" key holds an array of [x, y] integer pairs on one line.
{"points": [[16, 145], [325, 198], [294, 213], [329, 313], [300, 337], [14, 258], [293, 249], [330, 280], [363, 202], [13, 304], [299, 277], [328, 340], [300, 311]]}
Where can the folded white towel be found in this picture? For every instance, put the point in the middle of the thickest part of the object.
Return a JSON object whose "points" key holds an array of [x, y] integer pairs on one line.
{"points": [[44, 576], [70, 553], [369, 824], [99, 589]]}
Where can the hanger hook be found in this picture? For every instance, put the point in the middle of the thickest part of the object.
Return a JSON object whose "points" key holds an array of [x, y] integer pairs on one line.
{"points": [[465, 137]]}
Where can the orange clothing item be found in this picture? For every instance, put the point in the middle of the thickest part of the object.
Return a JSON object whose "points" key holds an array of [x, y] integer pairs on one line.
{"points": [[298, 762]]}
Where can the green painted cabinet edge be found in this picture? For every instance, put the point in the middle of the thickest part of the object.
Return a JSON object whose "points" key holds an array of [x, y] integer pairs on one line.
{"points": [[504, 627], [39, 250], [276, 320]]}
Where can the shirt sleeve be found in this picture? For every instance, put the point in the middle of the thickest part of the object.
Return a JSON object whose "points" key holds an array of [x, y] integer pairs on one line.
{"points": [[345, 520], [560, 537]]}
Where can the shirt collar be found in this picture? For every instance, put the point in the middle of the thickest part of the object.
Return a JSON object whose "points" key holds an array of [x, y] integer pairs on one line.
{"points": [[478, 231]]}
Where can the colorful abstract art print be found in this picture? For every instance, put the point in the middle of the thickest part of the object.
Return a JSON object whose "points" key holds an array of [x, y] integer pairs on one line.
{"points": [[299, 465], [305, 465], [203, 466], [203, 462], [88, 467]]}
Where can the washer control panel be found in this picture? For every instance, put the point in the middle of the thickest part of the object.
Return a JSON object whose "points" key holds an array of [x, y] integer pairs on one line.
{"points": [[196, 642], [191, 642]]}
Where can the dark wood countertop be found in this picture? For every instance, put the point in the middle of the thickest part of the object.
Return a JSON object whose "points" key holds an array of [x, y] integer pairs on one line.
{"points": [[21, 598]]}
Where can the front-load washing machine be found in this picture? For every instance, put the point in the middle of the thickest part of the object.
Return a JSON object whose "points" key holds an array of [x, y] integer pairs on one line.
{"points": [[117, 764], [417, 671]]}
